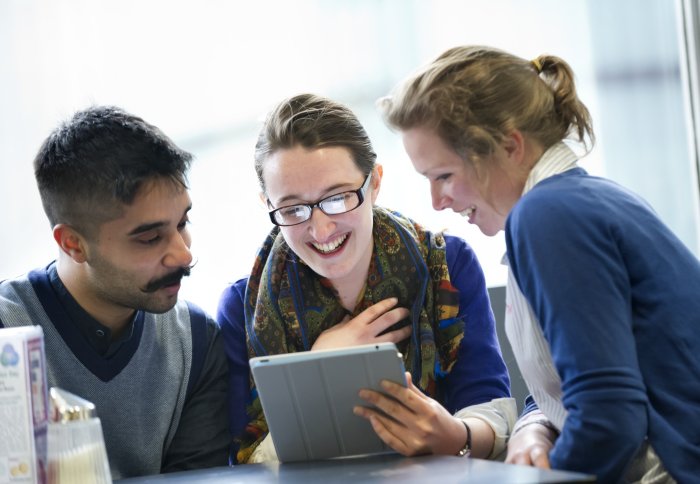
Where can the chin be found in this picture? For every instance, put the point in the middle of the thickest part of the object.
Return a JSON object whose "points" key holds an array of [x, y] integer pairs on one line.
{"points": [[489, 231]]}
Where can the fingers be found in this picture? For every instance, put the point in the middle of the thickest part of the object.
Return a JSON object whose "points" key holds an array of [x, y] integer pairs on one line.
{"points": [[536, 456], [381, 316], [392, 432], [381, 426], [395, 336], [401, 419], [401, 403], [539, 457], [388, 319], [530, 446], [376, 310]]}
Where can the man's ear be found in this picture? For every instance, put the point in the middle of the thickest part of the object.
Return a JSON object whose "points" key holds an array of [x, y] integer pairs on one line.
{"points": [[376, 182], [70, 242]]}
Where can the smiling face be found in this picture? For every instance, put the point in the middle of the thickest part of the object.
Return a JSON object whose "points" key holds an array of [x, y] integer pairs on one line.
{"points": [[338, 247], [138, 259], [485, 197]]}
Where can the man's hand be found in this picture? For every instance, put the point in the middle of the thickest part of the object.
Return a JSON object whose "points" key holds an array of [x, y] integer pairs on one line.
{"points": [[366, 327]]}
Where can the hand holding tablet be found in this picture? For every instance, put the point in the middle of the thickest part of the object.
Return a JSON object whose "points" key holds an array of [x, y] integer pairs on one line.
{"points": [[308, 399]]}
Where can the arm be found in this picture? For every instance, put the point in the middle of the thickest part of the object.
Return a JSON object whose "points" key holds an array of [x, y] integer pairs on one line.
{"points": [[477, 387], [202, 438], [532, 438], [230, 315], [569, 266]]}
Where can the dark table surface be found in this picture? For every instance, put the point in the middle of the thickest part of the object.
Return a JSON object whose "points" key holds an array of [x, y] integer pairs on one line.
{"points": [[378, 468]]}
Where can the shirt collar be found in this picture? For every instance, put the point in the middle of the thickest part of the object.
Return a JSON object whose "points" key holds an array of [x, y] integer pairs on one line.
{"points": [[557, 159], [97, 335]]}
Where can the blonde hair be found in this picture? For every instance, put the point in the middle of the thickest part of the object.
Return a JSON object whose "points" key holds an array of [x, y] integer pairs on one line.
{"points": [[474, 96]]}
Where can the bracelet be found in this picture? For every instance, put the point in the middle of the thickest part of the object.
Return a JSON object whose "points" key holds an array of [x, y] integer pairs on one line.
{"points": [[544, 422], [467, 449]]}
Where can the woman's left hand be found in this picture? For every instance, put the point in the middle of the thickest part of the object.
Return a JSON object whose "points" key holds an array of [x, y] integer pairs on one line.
{"points": [[417, 423]]}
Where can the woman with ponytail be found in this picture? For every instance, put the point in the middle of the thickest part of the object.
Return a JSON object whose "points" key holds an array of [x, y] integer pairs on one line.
{"points": [[603, 300]]}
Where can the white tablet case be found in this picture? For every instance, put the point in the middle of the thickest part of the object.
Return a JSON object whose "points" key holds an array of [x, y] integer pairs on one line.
{"points": [[308, 399]]}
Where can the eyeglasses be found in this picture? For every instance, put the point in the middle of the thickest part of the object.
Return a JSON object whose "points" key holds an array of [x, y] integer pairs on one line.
{"points": [[333, 205]]}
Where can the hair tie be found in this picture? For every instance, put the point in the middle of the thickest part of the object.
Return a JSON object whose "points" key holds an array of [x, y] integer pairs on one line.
{"points": [[538, 66]]}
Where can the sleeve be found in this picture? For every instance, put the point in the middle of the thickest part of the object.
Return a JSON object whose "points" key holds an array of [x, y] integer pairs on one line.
{"points": [[529, 406], [479, 374], [230, 315], [478, 384], [202, 439], [571, 270]]}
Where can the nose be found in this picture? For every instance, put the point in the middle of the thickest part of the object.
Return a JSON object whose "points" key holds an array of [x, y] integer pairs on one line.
{"points": [[440, 200], [321, 225], [178, 253]]}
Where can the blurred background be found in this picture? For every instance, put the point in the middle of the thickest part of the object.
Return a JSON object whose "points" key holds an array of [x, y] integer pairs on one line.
{"points": [[207, 72]]}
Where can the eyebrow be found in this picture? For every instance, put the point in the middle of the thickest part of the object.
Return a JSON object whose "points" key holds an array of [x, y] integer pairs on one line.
{"points": [[154, 225], [328, 190]]}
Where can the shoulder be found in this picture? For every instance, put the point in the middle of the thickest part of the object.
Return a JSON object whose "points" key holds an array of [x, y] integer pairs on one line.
{"points": [[15, 284], [460, 255], [552, 201], [577, 200], [231, 302], [234, 292], [16, 295]]}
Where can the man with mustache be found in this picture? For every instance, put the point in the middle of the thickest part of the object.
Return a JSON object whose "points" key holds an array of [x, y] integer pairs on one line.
{"points": [[114, 189]]}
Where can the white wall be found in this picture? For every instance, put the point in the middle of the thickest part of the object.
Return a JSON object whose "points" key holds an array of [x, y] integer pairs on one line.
{"points": [[206, 72]]}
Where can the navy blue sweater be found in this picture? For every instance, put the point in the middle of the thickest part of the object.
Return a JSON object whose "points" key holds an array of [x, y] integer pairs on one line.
{"points": [[618, 299], [479, 374]]}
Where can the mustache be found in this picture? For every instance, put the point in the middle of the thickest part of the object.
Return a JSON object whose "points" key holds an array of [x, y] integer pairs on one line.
{"points": [[168, 279]]}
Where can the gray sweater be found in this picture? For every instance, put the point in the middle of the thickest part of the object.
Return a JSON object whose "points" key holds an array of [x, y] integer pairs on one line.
{"points": [[161, 396]]}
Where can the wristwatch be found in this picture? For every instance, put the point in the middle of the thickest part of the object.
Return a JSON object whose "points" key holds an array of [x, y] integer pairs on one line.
{"points": [[466, 451]]}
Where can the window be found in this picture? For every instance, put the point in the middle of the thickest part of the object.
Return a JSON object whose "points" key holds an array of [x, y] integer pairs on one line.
{"points": [[207, 72]]}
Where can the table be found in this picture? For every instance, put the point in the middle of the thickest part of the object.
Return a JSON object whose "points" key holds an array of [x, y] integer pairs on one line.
{"points": [[378, 468]]}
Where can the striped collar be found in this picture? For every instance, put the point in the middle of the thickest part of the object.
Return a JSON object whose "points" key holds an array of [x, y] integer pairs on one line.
{"points": [[557, 159]]}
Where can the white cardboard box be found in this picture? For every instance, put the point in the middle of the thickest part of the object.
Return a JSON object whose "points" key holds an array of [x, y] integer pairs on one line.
{"points": [[23, 405]]}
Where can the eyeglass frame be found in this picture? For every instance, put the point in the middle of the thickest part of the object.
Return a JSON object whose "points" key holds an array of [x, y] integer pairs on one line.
{"points": [[360, 192]]}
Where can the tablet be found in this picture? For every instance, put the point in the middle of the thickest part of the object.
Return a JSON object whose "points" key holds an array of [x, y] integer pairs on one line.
{"points": [[308, 398]]}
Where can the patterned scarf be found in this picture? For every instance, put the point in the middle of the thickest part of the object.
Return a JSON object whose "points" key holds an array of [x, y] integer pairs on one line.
{"points": [[288, 305]]}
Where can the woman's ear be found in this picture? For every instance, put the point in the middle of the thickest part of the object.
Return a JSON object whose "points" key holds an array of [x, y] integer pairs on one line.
{"points": [[265, 201], [514, 146], [376, 181], [70, 242]]}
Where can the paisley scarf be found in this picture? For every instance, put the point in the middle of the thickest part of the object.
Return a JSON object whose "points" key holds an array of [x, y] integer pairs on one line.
{"points": [[288, 305]]}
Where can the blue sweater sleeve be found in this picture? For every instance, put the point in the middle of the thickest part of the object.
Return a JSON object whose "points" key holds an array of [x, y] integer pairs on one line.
{"points": [[569, 266], [479, 374], [230, 317]]}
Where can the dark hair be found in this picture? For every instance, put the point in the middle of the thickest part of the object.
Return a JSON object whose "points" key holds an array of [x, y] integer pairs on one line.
{"points": [[474, 96], [313, 122], [97, 161]]}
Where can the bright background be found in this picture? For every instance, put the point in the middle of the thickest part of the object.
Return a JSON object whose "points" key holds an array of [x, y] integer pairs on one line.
{"points": [[206, 72]]}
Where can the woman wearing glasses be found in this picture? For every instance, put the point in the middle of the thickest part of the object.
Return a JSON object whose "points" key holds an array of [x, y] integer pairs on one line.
{"points": [[336, 271]]}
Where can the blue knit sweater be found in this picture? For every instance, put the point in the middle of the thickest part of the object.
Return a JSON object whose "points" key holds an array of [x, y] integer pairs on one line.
{"points": [[618, 299]]}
